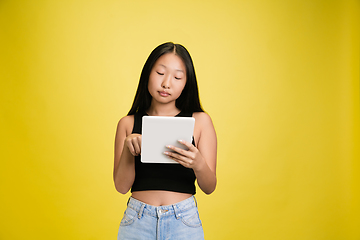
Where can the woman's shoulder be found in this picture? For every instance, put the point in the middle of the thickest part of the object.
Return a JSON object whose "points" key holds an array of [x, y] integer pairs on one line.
{"points": [[126, 123], [202, 119], [204, 130], [126, 120], [201, 116]]}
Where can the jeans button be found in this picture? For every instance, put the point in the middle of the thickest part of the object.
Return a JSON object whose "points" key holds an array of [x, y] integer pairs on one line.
{"points": [[163, 211]]}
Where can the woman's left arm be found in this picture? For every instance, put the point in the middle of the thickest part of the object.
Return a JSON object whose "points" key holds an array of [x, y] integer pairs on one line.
{"points": [[202, 159]]}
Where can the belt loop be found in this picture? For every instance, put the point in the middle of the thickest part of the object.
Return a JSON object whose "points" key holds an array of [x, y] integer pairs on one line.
{"points": [[176, 211], [141, 210], [195, 201]]}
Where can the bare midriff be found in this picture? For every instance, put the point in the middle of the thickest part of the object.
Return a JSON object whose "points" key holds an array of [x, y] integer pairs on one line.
{"points": [[160, 198]]}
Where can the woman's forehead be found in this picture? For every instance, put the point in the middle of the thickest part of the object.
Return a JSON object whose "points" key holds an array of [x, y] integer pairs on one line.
{"points": [[171, 61]]}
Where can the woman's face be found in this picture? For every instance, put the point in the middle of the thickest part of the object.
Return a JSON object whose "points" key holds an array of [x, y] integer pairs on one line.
{"points": [[167, 78]]}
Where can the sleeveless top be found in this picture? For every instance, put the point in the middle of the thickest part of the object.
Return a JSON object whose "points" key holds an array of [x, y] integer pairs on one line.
{"points": [[161, 176]]}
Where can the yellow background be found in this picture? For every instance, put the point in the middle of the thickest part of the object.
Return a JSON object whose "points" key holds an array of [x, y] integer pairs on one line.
{"points": [[279, 78]]}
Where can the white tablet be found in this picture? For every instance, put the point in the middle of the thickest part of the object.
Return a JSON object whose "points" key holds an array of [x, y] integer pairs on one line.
{"points": [[157, 132]]}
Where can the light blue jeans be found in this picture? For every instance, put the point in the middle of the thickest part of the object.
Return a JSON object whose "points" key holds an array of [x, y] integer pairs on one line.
{"points": [[177, 221]]}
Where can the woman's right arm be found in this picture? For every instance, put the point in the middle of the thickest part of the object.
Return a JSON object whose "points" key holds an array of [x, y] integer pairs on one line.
{"points": [[127, 146]]}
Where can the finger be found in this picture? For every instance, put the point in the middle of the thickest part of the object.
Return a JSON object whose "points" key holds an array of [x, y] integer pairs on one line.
{"points": [[185, 164], [179, 158], [130, 147], [137, 145], [187, 144], [186, 153], [178, 150]]}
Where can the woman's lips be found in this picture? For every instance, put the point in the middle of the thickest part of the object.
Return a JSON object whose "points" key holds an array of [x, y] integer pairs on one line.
{"points": [[164, 94]]}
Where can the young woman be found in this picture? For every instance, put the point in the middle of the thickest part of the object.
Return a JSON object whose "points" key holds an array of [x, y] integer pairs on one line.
{"points": [[162, 204]]}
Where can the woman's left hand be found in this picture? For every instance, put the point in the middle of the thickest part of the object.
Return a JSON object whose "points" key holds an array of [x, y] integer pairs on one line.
{"points": [[190, 158]]}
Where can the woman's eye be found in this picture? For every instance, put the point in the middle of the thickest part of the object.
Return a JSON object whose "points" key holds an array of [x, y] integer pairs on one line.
{"points": [[177, 78], [160, 73]]}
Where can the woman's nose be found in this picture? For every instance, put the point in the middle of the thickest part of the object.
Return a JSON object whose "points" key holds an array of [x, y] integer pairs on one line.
{"points": [[166, 82]]}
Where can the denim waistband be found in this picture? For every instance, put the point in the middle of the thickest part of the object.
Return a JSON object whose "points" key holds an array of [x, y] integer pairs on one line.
{"points": [[162, 211]]}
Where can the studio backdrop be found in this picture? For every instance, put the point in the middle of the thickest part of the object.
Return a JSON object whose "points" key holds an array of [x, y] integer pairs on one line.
{"points": [[280, 80]]}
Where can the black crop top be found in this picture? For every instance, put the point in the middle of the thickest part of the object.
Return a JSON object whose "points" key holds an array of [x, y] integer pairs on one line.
{"points": [[161, 176]]}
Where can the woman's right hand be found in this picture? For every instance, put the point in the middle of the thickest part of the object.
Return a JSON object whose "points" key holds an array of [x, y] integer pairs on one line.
{"points": [[133, 143]]}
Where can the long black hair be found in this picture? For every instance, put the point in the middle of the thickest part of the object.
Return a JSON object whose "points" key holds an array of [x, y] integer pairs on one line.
{"points": [[188, 101]]}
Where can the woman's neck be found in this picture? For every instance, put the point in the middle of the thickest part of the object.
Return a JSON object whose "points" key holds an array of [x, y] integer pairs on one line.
{"points": [[162, 110]]}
